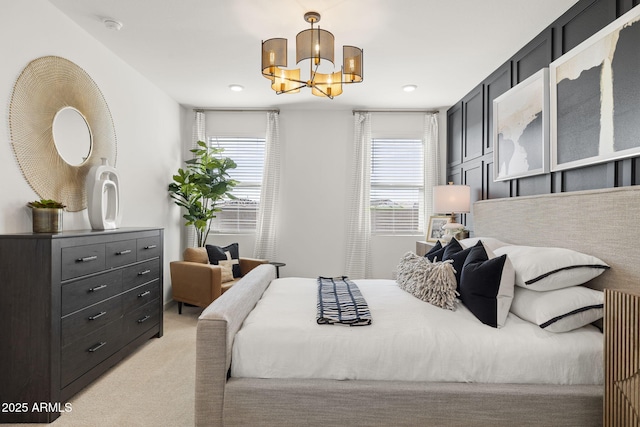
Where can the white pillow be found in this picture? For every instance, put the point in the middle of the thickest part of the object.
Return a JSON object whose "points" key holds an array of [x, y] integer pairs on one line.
{"points": [[546, 269], [490, 243], [561, 310]]}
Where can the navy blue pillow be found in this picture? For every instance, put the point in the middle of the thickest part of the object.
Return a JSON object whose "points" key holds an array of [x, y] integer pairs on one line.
{"points": [[480, 283], [435, 252], [454, 252], [217, 253], [452, 248]]}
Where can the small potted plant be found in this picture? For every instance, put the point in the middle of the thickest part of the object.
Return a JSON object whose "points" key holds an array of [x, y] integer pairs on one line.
{"points": [[47, 216]]}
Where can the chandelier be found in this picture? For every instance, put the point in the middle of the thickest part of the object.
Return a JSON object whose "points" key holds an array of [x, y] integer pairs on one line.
{"points": [[314, 44]]}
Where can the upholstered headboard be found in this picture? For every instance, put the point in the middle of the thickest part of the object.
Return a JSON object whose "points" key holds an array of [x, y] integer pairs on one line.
{"points": [[603, 223]]}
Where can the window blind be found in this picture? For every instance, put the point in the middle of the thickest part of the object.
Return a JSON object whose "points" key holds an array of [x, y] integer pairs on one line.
{"points": [[397, 186], [239, 215]]}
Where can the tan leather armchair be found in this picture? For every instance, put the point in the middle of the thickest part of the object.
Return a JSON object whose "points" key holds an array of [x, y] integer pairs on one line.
{"points": [[194, 281]]}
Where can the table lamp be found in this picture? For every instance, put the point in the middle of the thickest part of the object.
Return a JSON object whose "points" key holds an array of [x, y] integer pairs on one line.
{"points": [[451, 199]]}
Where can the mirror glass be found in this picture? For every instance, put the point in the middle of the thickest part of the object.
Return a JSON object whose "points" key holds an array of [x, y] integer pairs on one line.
{"points": [[72, 136]]}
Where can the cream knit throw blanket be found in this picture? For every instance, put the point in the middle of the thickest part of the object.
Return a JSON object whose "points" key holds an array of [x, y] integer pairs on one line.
{"points": [[432, 282]]}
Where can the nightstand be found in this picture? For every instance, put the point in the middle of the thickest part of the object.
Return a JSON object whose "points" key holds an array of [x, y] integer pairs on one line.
{"points": [[423, 247]]}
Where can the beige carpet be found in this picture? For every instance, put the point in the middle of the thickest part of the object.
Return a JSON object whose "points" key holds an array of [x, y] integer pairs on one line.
{"points": [[152, 387]]}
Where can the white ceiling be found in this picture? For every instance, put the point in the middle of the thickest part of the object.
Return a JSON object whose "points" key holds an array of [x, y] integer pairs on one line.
{"points": [[194, 49]]}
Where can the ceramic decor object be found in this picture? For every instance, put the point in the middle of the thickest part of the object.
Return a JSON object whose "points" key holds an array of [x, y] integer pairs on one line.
{"points": [[103, 197]]}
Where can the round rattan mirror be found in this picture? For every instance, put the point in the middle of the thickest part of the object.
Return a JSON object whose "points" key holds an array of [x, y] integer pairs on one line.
{"points": [[72, 136], [47, 87]]}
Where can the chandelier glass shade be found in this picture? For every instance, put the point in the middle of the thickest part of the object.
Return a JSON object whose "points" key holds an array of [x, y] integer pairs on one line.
{"points": [[314, 45]]}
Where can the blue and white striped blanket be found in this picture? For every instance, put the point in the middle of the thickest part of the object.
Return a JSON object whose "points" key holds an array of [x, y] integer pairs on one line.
{"points": [[340, 302]]}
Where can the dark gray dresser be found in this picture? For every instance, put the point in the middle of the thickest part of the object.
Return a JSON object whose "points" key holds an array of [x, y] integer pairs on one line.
{"points": [[72, 305]]}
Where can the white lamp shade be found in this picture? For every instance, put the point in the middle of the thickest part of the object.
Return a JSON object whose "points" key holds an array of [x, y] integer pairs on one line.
{"points": [[451, 198]]}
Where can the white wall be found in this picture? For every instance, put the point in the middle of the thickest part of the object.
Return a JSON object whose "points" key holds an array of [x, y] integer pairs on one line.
{"points": [[149, 125], [317, 149], [315, 183]]}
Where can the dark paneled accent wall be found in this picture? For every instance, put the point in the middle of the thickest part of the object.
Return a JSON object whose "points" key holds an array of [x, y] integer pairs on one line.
{"points": [[470, 121]]}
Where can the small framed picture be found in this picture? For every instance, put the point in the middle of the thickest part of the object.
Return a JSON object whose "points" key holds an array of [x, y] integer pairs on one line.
{"points": [[435, 231]]}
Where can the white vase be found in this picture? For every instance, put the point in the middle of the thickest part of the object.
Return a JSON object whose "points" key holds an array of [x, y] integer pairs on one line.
{"points": [[103, 197]]}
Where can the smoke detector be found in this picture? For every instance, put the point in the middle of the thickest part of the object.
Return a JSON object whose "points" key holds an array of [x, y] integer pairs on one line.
{"points": [[112, 24]]}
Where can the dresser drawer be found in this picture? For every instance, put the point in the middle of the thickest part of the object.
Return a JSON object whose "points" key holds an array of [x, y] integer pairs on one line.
{"points": [[148, 247], [87, 352], [140, 296], [138, 274], [81, 323], [141, 320], [86, 292], [121, 253], [81, 260]]}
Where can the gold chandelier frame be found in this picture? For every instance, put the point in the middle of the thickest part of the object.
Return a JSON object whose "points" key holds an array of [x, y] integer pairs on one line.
{"points": [[315, 44]]}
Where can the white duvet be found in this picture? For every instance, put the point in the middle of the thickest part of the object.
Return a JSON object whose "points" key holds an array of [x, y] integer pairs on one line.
{"points": [[408, 340]]}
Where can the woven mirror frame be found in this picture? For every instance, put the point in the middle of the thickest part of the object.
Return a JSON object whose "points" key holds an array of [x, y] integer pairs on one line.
{"points": [[46, 86]]}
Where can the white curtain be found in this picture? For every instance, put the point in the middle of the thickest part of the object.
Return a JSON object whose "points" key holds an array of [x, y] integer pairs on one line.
{"points": [[358, 257], [199, 134], [432, 161], [266, 225]]}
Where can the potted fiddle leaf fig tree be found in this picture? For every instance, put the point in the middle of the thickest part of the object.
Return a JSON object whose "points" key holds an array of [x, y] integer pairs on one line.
{"points": [[202, 186], [46, 215]]}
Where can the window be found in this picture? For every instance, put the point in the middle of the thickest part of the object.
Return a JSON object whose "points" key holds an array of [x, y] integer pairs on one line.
{"points": [[239, 215], [397, 186]]}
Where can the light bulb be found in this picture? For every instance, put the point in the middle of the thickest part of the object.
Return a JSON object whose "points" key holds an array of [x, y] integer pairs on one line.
{"points": [[272, 57]]}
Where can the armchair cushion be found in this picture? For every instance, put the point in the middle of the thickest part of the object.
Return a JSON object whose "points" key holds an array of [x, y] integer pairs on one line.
{"points": [[219, 253]]}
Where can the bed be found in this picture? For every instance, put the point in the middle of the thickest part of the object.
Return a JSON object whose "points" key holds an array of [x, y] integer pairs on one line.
{"points": [[595, 222]]}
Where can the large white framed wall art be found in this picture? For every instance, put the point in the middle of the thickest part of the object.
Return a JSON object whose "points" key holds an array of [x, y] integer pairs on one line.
{"points": [[595, 97], [521, 129]]}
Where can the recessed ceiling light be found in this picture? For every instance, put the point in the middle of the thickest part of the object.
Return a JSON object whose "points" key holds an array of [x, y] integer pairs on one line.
{"points": [[409, 88], [112, 24], [236, 88]]}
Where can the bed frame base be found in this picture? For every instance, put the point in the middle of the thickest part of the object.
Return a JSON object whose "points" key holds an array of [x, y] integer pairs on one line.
{"points": [[285, 402]]}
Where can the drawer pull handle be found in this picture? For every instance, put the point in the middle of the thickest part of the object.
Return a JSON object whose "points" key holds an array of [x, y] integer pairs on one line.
{"points": [[97, 347], [144, 294], [150, 247], [95, 316], [142, 273], [97, 288], [145, 318], [126, 251], [87, 258]]}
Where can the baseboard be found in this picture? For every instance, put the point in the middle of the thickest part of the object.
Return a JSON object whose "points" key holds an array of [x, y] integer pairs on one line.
{"points": [[169, 304]]}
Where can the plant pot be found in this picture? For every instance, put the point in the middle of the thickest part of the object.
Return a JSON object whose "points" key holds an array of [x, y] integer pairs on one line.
{"points": [[47, 220]]}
